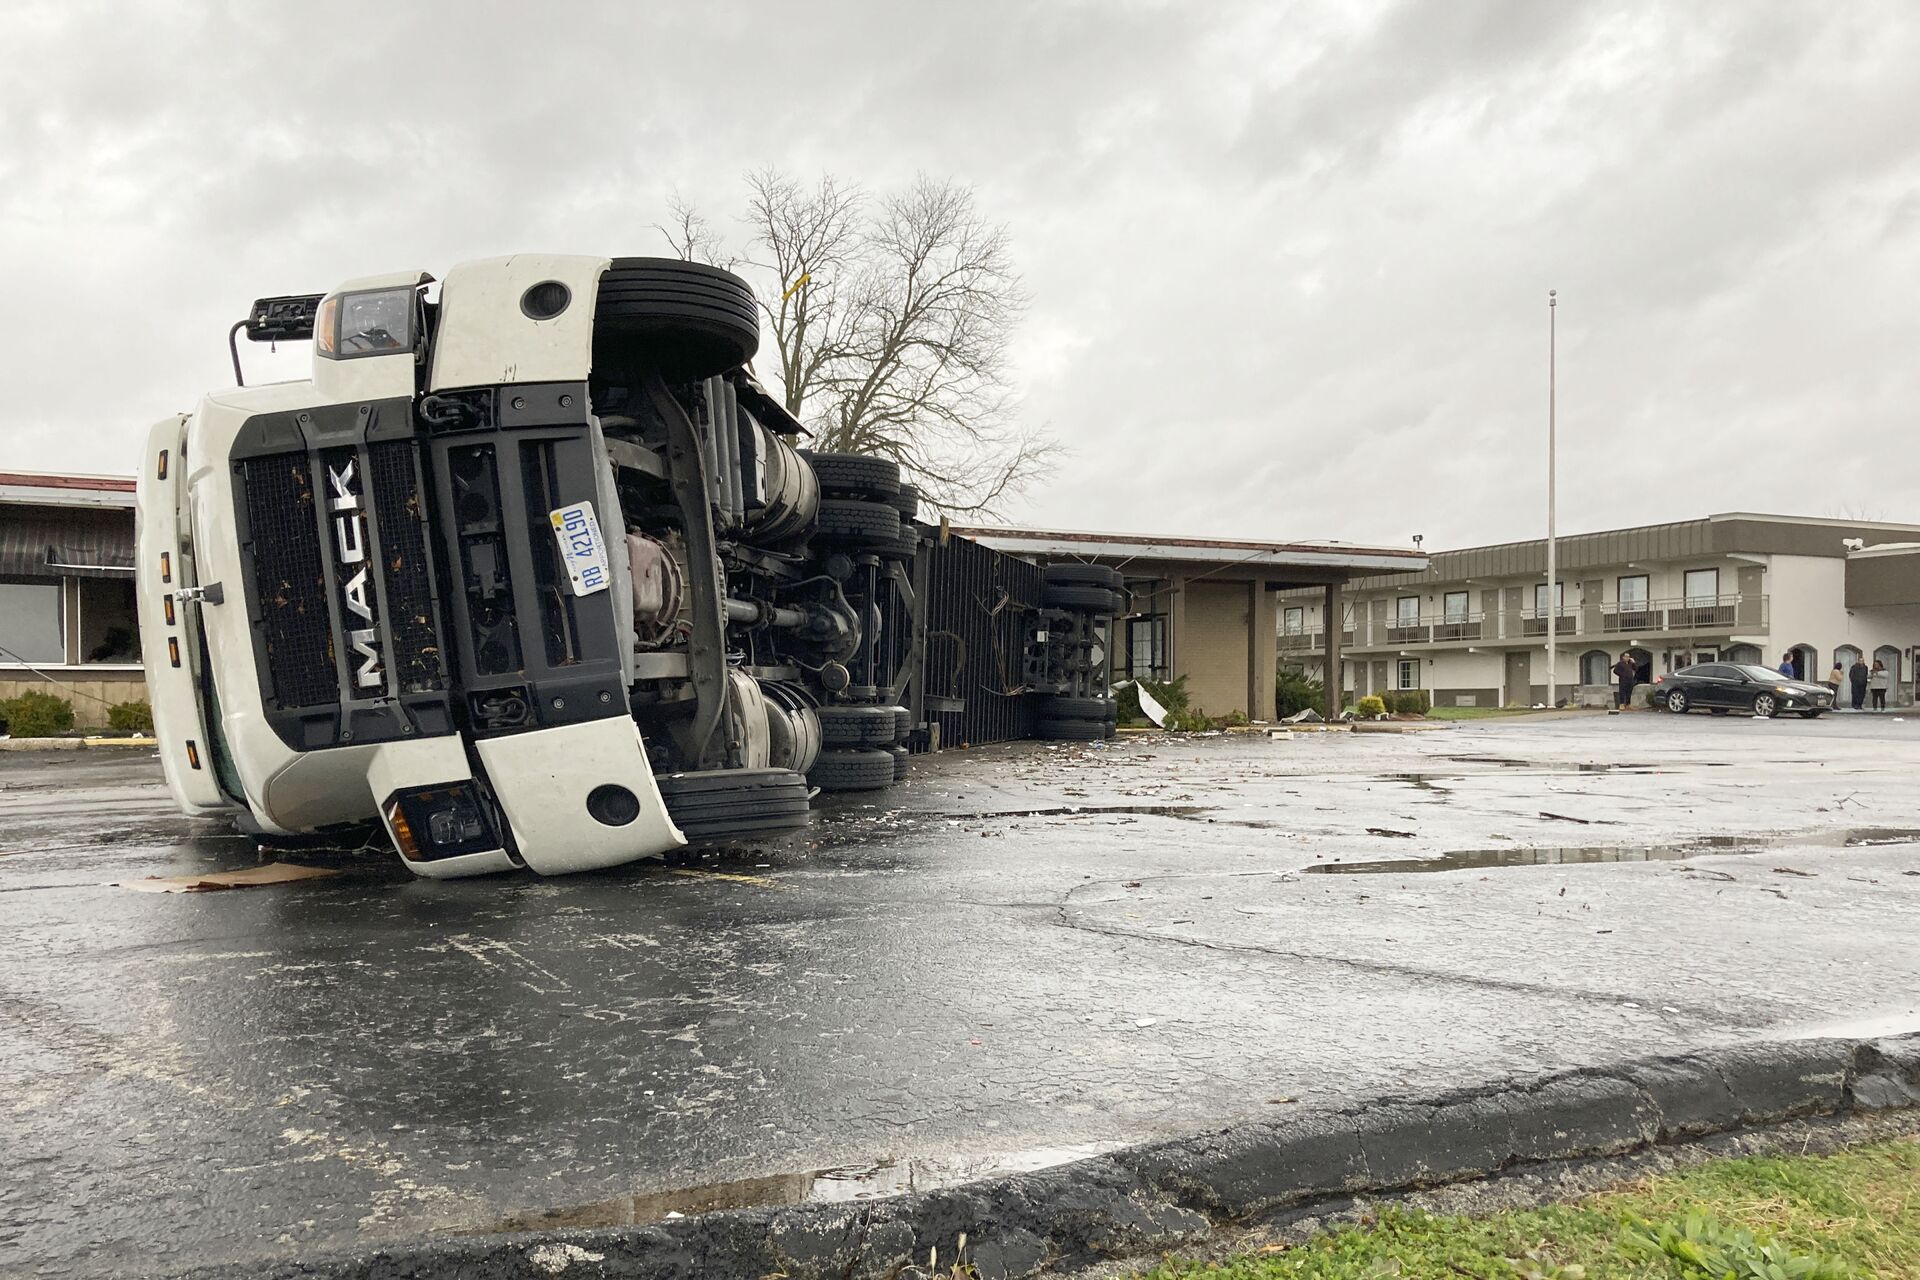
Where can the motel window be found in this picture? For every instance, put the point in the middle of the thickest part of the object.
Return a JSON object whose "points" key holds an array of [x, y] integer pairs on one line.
{"points": [[33, 623], [1295, 620], [1632, 592], [1702, 587], [1406, 611], [1454, 606], [1540, 606], [1409, 673], [109, 629], [1147, 647]]}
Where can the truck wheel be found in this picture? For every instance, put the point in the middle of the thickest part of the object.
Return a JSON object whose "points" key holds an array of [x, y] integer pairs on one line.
{"points": [[1091, 599], [902, 724], [1076, 730], [1064, 707], [869, 522], [734, 804], [686, 319], [856, 474], [1089, 575], [907, 502], [841, 770], [903, 548], [900, 757], [857, 726]]}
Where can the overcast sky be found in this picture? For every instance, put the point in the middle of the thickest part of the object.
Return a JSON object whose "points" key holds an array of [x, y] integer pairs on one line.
{"points": [[1289, 262]]}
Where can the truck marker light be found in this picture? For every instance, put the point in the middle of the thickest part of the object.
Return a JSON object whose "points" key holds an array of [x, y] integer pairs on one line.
{"points": [[403, 838], [168, 601], [193, 754], [173, 649], [163, 466], [166, 566]]}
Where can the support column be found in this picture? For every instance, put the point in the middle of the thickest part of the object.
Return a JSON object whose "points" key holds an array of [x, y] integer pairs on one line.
{"points": [[1263, 609], [1330, 618]]}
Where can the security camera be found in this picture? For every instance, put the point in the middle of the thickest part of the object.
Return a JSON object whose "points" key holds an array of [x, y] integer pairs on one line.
{"points": [[1853, 544]]}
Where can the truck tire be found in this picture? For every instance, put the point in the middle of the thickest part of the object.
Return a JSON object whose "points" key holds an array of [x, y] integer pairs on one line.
{"points": [[900, 757], [1088, 575], [856, 474], [841, 770], [902, 724], [842, 727], [903, 548], [1091, 599], [907, 502], [864, 522], [685, 319], [1072, 730], [1065, 707], [735, 804]]}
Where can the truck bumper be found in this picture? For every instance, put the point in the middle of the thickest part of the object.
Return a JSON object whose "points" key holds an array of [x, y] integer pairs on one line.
{"points": [[579, 797]]}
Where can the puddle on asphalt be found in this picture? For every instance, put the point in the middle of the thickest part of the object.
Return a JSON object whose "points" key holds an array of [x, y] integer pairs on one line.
{"points": [[819, 1186], [1574, 855]]}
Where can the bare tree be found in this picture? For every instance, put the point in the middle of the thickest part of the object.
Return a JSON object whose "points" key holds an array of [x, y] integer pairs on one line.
{"points": [[892, 319]]}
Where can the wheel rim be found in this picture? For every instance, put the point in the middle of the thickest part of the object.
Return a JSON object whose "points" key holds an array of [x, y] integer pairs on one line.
{"points": [[1763, 705], [1676, 701]]}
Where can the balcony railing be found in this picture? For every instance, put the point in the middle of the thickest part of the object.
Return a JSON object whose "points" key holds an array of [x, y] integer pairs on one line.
{"points": [[1746, 614]]}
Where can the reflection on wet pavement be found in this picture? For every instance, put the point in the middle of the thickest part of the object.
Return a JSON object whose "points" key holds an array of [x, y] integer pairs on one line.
{"points": [[1482, 859]]}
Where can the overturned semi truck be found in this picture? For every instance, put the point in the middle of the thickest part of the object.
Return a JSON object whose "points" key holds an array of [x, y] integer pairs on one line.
{"points": [[535, 572]]}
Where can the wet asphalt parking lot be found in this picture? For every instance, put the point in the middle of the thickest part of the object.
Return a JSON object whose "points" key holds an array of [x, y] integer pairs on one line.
{"points": [[1025, 953]]}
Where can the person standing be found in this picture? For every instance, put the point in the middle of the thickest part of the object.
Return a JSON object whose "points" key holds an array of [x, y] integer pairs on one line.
{"points": [[1857, 678], [1786, 666], [1836, 678], [1627, 672], [1878, 680]]}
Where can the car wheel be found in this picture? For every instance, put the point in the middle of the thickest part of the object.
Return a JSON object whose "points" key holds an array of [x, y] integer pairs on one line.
{"points": [[734, 804], [686, 319], [869, 522], [1765, 706], [858, 475], [852, 770], [1677, 702]]}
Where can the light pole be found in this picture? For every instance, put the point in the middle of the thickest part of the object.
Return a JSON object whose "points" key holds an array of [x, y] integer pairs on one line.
{"points": [[1553, 598]]}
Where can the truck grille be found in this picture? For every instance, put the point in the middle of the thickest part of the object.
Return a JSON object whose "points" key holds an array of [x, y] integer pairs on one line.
{"points": [[297, 622], [394, 478], [289, 580]]}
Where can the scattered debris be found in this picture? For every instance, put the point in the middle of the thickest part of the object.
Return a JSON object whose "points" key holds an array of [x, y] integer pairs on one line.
{"points": [[1389, 831], [1561, 817], [1790, 871], [1309, 716], [252, 877]]}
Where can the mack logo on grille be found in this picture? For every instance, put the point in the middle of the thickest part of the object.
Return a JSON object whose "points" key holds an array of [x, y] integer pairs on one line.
{"points": [[350, 542]]}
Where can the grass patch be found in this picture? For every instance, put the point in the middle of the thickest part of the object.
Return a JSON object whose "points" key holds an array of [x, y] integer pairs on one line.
{"points": [[1854, 1213], [1478, 713]]}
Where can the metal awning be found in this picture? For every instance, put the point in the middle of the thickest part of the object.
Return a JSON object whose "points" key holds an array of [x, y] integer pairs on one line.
{"points": [[40, 544]]}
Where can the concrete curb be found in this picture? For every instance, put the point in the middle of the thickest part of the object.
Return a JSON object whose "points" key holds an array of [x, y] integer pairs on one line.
{"points": [[1168, 1195], [70, 744]]}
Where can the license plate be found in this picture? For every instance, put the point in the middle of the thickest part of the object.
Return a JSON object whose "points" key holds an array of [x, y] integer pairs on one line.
{"points": [[581, 548]]}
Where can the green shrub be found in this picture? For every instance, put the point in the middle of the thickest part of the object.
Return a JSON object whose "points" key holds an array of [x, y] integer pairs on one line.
{"points": [[1234, 720], [1369, 706], [1294, 692], [1190, 721], [130, 717], [1407, 702], [1171, 694], [35, 714]]}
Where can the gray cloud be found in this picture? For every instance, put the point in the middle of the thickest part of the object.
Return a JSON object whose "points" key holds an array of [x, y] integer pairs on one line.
{"points": [[1289, 262]]}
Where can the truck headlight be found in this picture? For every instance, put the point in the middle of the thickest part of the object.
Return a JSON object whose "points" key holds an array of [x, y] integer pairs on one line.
{"points": [[430, 823], [374, 322]]}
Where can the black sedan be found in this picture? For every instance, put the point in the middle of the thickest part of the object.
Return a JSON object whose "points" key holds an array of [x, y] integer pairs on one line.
{"points": [[1721, 687]]}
